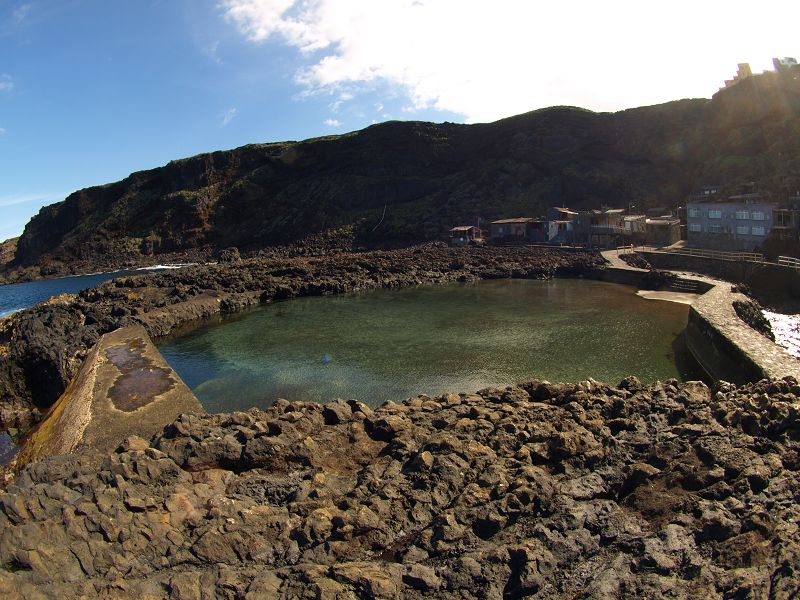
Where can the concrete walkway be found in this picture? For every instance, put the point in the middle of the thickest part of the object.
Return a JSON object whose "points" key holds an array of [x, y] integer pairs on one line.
{"points": [[612, 256]]}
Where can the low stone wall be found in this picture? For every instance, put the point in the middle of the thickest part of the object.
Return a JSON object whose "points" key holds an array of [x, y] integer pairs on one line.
{"points": [[622, 276]]}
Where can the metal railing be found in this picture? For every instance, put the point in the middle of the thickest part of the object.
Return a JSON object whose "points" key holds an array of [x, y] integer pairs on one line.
{"points": [[788, 261], [715, 254], [721, 255], [752, 257]]}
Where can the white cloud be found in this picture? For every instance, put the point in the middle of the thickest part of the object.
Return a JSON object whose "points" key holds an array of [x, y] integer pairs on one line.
{"points": [[227, 116], [21, 12], [489, 60], [332, 123], [15, 199], [2, 130], [6, 83]]}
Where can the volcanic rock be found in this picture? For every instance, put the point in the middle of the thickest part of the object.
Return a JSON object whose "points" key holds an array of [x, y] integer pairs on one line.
{"points": [[548, 500]]}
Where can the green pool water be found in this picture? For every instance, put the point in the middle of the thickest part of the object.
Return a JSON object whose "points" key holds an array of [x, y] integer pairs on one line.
{"points": [[392, 344]]}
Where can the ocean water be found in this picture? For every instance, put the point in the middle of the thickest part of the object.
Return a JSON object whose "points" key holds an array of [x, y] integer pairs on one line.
{"points": [[392, 344], [17, 296]]}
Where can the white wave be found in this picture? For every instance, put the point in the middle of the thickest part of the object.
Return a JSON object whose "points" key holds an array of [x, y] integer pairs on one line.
{"points": [[163, 267]]}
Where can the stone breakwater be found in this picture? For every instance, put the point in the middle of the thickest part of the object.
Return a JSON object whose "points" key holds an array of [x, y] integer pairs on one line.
{"points": [[42, 348], [554, 491]]}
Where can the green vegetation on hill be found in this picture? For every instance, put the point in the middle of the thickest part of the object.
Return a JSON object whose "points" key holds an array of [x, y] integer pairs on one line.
{"points": [[400, 182]]}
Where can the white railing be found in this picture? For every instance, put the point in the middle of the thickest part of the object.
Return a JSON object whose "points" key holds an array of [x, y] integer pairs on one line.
{"points": [[753, 257], [715, 254], [788, 261]]}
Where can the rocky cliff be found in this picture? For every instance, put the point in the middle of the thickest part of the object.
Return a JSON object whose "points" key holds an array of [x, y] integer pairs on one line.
{"points": [[8, 250], [410, 181]]}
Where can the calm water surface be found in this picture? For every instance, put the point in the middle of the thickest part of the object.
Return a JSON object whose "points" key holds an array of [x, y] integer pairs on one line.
{"points": [[392, 344]]}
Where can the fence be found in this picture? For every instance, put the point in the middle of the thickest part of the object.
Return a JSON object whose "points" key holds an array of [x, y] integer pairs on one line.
{"points": [[788, 261], [715, 254]]}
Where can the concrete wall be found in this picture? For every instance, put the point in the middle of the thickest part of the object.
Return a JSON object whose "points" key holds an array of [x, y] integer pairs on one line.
{"points": [[635, 276], [729, 349]]}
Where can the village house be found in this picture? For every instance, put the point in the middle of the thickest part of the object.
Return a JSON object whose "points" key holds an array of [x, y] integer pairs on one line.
{"points": [[561, 224], [743, 72], [555, 213], [562, 232], [786, 220], [510, 231], [740, 222], [521, 230], [604, 228], [464, 235], [635, 228], [663, 231]]}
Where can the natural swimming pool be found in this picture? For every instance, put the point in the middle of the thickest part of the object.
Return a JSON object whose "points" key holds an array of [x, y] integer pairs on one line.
{"points": [[392, 344]]}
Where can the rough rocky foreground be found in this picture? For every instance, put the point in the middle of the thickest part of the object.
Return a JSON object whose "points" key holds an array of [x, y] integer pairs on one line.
{"points": [[42, 348], [550, 491]]}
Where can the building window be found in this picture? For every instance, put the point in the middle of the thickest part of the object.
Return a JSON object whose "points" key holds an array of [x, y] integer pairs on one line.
{"points": [[741, 230], [759, 231], [714, 228], [714, 214], [694, 212], [758, 216], [695, 227], [742, 214]]}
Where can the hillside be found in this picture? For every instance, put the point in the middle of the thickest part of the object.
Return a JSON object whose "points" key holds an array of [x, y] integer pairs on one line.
{"points": [[7, 250], [401, 182]]}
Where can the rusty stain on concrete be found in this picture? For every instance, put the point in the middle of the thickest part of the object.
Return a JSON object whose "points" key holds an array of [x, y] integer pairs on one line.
{"points": [[140, 380]]}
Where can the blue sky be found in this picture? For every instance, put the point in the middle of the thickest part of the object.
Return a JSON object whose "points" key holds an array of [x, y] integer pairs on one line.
{"points": [[92, 90]]}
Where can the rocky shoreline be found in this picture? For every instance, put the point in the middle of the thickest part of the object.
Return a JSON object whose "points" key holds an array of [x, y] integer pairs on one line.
{"points": [[41, 348], [544, 490], [550, 491]]}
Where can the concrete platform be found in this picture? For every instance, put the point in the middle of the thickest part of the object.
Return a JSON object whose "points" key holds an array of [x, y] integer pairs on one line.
{"points": [[125, 387]]}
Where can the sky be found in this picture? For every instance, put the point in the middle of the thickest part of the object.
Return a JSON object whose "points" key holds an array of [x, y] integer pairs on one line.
{"points": [[92, 90]]}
